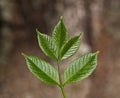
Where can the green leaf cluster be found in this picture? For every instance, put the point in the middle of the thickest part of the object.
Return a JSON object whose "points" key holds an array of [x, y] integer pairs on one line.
{"points": [[59, 47]]}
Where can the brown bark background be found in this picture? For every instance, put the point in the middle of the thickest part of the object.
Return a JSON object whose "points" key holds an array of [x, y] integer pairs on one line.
{"points": [[98, 19]]}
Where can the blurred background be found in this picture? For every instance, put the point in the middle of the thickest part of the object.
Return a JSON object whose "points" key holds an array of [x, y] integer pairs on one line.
{"points": [[98, 19]]}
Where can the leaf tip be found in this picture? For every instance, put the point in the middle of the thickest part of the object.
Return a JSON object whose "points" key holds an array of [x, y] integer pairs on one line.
{"points": [[81, 34], [36, 30], [22, 54], [97, 52], [61, 17]]}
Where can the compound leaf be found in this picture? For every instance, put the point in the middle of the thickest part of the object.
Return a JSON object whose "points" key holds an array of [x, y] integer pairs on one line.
{"points": [[42, 70], [80, 68]]}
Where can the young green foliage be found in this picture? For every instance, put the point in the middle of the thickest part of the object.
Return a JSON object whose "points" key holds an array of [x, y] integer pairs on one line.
{"points": [[80, 68], [41, 69], [47, 45], [60, 34], [71, 47], [58, 47]]}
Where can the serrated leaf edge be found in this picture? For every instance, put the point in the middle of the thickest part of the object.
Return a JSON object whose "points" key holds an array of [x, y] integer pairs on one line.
{"points": [[78, 41], [65, 82], [27, 57], [52, 50]]}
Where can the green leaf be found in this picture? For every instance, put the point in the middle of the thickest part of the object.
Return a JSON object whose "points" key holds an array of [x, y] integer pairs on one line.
{"points": [[80, 68], [60, 34], [42, 70], [71, 47], [47, 45]]}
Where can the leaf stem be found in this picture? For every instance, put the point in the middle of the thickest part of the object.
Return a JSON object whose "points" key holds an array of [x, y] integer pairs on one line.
{"points": [[63, 91], [60, 80]]}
